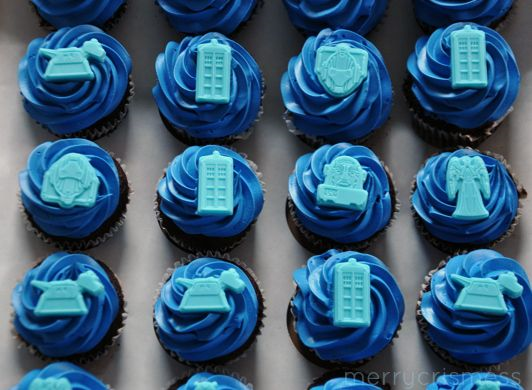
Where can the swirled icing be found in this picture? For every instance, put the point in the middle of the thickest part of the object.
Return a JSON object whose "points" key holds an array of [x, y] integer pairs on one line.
{"points": [[224, 382], [468, 381], [345, 384]]}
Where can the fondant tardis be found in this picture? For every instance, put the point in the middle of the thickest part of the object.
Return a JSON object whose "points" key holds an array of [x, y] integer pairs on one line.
{"points": [[205, 385], [215, 185], [50, 384], [468, 58], [213, 72]]}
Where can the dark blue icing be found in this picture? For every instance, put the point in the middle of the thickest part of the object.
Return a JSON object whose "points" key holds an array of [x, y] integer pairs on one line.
{"points": [[64, 336], [473, 337], [345, 384], [430, 67], [73, 13], [78, 378], [312, 16], [313, 306], [224, 382], [341, 225], [200, 16], [467, 381], [178, 191], [198, 337], [432, 205], [438, 13], [70, 107], [76, 222], [318, 114], [175, 92]]}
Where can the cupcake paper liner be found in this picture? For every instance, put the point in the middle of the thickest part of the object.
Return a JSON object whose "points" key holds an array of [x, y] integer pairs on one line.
{"points": [[456, 248], [240, 352], [175, 383], [340, 373], [102, 234]]}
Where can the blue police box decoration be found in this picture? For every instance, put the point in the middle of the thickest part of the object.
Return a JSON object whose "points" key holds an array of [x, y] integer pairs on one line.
{"points": [[487, 385], [205, 385], [215, 185], [213, 72], [50, 384], [468, 58]]}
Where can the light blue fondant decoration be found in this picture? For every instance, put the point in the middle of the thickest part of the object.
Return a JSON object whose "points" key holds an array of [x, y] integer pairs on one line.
{"points": [[352, 289], [487, 385], [213, 72], [72, 63], [215, 185], [65, 297], [206, 295], [468, 59], [70, 181], [485, 295], [343, 185], [205, 385], [341, 68], [469, 178], [50, 384]]}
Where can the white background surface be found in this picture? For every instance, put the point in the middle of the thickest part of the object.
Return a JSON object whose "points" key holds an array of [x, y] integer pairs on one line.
{"points": [[140, 254]]}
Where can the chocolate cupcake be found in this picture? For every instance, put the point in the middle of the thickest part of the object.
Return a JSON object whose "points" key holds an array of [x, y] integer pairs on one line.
{"points": [[76, 82], [475, 310], [341, 196], [74, 194], [334, 321], [215, 379], [68, 307], [474, 380]]}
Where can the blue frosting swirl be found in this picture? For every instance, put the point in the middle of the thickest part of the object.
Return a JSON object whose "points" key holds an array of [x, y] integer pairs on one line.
{"points": [[430, 67], [341, 225], [438, 13], [199, 16], [345, 384], [468, 381], [73, 13], [77, 222], [312, 16], [175, 92], [200, 337], [178, 192], [224, 382], [69, 107], [64, 336], [312, 307], [78, 378], [432, 205], [473, 337], [319, 114]]}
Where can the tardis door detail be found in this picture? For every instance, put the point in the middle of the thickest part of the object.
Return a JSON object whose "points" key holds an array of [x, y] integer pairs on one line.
{"points": [[468, 58], [215, 190], [213, 73]]}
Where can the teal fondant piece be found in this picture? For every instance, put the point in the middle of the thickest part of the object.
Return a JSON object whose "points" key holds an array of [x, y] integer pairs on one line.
{"points": [[70, 181], [72, 63], [352, 289], [215, 185], [487, 385], [468, 58], [485, 295], [341, 68], [205, 385], [50, 384], [65, 297], [213, 72], [343, 185], [206, 295], [468, 178]]}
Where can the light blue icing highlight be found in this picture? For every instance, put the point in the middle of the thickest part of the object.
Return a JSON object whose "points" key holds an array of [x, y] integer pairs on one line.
{"points": [[199, 337], [224, 382], [64, 336], [50, 384], [431, 203], [215, 186], [178, 192], [468, 58], [316, 113], [213, 73], [69, 107], [76, 222], [345, 384], [341, 225], [313, 307], [430, 67], [469, 381], [175, 92], [474, 337]]}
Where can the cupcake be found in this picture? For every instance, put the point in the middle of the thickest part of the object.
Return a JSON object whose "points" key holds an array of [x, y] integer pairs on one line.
{"points": [[465, 200], [312, 16], [224, 16], [76, 82], [338, 89], [475, 310], [208, 199], [192, 111], [478, 380], [74, 194], [215, 380], [341, 196], [69, 307], [60, 376], [208, 311], [333, 321], [461, 102]]}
